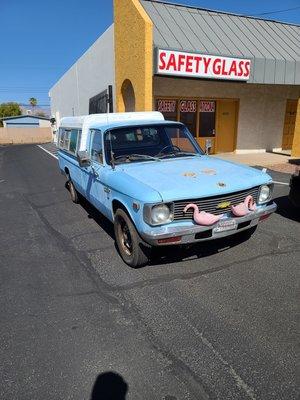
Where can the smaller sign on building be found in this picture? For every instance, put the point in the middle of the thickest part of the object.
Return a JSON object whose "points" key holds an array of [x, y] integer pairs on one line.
{"points": [[165, 106], [207, 106], [196, 65], [188, 106]]}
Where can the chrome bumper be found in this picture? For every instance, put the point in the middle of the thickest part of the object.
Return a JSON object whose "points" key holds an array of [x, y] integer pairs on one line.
{"points": [[188, 232]]}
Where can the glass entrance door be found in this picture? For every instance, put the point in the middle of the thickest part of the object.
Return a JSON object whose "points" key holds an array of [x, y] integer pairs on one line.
{"points": [[188, 114], [207, 124]]}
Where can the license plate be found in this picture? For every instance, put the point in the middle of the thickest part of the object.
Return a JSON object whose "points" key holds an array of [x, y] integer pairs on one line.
{"points": [[226, 226]]}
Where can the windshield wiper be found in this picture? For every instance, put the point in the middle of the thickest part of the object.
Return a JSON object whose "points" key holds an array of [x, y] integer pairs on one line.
{"points": [[133, 157], [178, 153], [187, 153]]}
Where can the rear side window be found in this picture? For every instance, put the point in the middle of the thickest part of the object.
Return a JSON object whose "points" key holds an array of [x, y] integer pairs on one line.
{"points": [[69, 140], [96, 146], [73, 141], [61, 138]]}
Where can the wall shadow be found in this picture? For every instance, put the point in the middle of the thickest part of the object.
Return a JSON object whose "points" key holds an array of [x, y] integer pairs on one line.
{"points": [[109, 386], [295, 161], [286, 209]]}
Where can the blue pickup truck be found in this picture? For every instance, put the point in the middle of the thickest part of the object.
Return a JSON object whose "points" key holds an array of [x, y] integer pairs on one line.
{"points": [[151, 179]]}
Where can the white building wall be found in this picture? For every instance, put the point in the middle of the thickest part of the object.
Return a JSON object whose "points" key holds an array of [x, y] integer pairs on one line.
{"points": [[44, 123], [89, 76]]}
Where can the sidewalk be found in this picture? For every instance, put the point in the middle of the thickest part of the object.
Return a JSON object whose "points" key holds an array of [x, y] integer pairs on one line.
{"points": [[275, 162]]}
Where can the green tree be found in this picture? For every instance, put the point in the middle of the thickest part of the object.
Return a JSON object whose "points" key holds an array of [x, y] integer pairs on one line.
{"points": [[33, 103], [9, 110]]}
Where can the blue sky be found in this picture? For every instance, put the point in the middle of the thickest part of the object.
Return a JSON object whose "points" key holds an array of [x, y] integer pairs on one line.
{"points": [[40, 40]]}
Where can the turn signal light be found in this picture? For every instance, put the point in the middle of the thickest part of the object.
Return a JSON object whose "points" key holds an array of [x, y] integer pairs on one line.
{"points": [[174, 239]]}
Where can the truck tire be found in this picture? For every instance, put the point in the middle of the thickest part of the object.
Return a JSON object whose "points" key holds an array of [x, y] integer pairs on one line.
{"points": [[133, 250], [73, 192]]}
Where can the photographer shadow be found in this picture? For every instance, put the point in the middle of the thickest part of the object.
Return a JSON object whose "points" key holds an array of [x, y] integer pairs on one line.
{"points": [[109, 386], [286, 209]]}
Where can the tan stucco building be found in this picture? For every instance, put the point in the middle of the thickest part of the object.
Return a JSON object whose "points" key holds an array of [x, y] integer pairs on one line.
{"points": [[233, 80]]}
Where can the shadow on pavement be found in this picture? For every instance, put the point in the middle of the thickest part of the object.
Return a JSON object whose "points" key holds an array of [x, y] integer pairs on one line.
{"points": [[99, 218], [286, 209], [295, 161], [171, 254], [109, 386]]}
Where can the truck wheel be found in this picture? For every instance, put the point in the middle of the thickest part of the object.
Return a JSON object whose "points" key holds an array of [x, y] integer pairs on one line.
{"points": [[133, 250], [73, 192]]}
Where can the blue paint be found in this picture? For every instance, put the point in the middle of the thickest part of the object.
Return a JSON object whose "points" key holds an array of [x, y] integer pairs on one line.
{"points": [[154, 182], [168, 177]]}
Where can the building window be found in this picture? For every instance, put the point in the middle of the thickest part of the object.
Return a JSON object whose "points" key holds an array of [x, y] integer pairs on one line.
{"points": [[207, 124], [98, 104], [168, 108], [188, 114]]}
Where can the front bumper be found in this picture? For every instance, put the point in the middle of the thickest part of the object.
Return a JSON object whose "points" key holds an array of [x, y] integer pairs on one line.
{"points": [[194, 233]]}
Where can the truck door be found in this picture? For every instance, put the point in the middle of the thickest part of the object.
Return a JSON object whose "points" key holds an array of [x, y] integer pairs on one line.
{"points": [[93, 175]]}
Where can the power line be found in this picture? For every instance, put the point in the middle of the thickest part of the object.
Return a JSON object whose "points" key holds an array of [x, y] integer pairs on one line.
{"points": [[24, 91], [38, 105], [276, 12], [23, 87]]}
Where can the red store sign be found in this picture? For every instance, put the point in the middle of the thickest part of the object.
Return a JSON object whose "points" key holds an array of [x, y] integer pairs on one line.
{"points": [[166, 105], [188, 106], [207, 106], [194, 65]]}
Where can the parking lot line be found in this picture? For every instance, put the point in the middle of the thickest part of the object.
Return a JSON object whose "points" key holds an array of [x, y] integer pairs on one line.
{"points": [[41, 147]]}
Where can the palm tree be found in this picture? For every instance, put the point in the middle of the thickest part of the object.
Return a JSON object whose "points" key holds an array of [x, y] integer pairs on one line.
{"points": [[33, 103]]}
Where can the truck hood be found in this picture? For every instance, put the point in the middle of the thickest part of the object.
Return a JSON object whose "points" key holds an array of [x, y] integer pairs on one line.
{"points": [[194, 177]]}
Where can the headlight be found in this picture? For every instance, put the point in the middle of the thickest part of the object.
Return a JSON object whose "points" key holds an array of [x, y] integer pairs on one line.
{"points": [[158, 214], [265, 194]]}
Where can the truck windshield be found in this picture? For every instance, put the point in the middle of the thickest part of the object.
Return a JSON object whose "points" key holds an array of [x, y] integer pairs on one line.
{"points": [[149, 143]]}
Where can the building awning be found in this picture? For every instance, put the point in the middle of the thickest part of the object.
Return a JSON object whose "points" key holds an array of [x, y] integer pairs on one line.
{"points": [[273, 47]]}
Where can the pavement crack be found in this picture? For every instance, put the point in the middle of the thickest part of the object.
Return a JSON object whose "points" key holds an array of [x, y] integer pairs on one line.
{"points": [[240, 383], [87, 293], [114, 297], [77, 255], [192, 275]]}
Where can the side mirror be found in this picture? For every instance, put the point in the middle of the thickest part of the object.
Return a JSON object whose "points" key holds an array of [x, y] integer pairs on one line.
{"points": [[83, 158]]}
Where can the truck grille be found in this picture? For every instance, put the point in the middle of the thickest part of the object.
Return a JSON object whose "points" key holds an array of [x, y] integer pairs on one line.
{"points": [[210, 204]]}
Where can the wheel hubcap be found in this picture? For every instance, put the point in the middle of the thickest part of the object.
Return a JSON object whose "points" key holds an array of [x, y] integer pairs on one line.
{"points": [[126, 240]]}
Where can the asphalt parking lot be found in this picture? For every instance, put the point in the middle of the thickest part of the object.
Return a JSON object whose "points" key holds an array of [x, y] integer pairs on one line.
{"points": [[215, 321]]}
